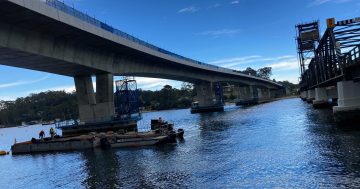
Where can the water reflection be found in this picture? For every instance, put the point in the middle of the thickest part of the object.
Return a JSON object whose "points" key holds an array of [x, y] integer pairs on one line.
{"points": [[285, 144]]}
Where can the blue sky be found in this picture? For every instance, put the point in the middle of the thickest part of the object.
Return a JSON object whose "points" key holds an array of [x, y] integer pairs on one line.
{"points": [[230, 33]]}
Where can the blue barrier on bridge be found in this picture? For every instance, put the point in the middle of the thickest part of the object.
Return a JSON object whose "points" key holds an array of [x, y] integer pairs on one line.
{"points": [[86, 18]]}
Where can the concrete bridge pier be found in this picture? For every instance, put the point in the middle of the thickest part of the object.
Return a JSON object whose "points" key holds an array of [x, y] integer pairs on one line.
{"points": [[206, 99], [321, 98], [248, 95], [347, 112], [264, 95], [104, 108], [332, 94], [303, 95], [85, 98], [99, 107], [310, 95]]}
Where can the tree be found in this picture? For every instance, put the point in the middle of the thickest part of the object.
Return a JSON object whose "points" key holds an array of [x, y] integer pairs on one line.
{"points": [[265, 72], [249, 71]]}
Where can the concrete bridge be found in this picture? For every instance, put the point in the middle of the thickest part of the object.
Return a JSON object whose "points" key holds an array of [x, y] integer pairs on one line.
{"points": [[330, 67], [52, 37]]}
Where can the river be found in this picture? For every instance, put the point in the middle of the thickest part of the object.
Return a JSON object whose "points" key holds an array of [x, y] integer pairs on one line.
{"points": [[285, 144]]}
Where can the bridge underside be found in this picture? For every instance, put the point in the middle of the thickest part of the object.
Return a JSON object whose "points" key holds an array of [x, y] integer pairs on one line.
{"points": [[38, 37]]}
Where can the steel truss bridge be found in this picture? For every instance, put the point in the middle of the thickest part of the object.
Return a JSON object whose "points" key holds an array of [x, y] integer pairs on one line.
{"points": [[331, 58]]}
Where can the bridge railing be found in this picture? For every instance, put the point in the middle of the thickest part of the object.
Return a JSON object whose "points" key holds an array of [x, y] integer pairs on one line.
{"points": [[352, 56], [86, 18]]}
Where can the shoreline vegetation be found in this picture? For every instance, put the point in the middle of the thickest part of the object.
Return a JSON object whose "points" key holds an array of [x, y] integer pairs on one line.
{"points": [[60, 105]]}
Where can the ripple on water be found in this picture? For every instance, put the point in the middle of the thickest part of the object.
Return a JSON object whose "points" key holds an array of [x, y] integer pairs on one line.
{"points": [[284, 144]]}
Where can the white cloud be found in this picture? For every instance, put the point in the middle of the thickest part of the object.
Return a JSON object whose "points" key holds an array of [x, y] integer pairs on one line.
{"points": [[190, 9], [214, 6], [321, 2], [284, 67], [287, 64], [234, 2], [17, 83], [155, 83], [217, 33], [237, 61]]}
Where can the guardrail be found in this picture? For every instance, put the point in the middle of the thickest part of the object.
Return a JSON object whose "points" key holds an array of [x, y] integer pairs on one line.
{"points": [[86, 18]]}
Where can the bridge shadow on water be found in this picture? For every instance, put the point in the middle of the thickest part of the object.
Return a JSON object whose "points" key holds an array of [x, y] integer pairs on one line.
{"points": [[338, 147]]}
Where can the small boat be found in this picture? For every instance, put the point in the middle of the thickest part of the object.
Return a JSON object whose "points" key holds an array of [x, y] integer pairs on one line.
{"points": [[180, 133], [167, 128], [132, 139]]}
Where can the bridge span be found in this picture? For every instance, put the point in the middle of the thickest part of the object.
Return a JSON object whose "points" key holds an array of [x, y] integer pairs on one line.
{"points": [[330, 67], [49, 36]]}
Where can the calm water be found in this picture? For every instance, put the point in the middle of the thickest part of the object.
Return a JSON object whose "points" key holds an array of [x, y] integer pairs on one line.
{"points": [[284, 144]]}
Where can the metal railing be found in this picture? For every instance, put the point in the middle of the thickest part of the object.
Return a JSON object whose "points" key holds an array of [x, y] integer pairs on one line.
{"points": [[352, 56], [86, 18]]}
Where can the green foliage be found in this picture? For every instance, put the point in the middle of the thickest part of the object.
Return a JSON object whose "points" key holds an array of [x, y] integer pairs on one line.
{"points": [[44, 106], [290, 87], [167, 97], [249, 71], [265, 72]]}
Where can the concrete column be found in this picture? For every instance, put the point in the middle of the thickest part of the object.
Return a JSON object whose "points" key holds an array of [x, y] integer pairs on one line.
{"points": [[85, 98], [321, 99], [206, 99], [332, 94], [303, 95], [347, 112], [310, 95], [205, 95], [248, 96], [263, 95], [104, 109]]}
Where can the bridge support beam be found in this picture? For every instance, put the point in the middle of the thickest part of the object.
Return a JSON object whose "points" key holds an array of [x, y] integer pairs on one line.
{"points": [[321, 98], [347, 113], [206, 99], [99, 107], [310, 95]]}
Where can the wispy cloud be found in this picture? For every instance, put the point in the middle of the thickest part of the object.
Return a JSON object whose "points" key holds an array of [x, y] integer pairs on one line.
{"points": [[240, 61], [234, 2], [284, 67], [18, 83], [155, 83], [190, 9], [217, 33], [214, 6], [286, 64], [322, 2]]}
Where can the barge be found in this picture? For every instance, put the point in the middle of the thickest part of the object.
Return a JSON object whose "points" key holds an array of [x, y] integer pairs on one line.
{"points": [[161, 133]]}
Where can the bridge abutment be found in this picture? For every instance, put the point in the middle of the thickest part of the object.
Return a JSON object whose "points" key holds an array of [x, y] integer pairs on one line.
{"points": [[321, 98], [347, 112], [207, 100]]}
